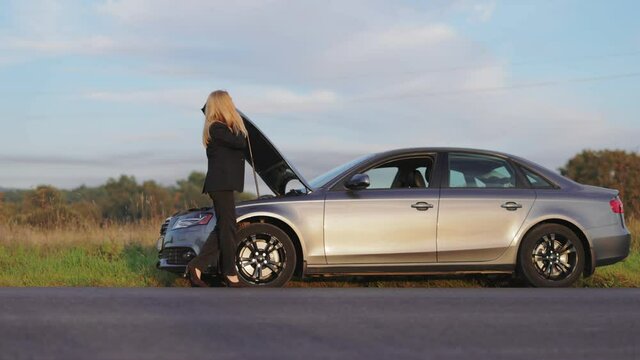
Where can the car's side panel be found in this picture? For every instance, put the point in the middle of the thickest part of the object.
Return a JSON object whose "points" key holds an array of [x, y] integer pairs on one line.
{"points": [[589, 208], [380, 226], [473, 225], [305, 217], [588, 211]]}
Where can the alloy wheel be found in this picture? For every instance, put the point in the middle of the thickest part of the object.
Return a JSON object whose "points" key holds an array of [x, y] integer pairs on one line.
{"points": [[554, 257], [261, 258]]}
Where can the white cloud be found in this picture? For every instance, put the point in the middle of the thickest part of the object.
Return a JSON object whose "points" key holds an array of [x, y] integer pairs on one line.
{"points": [[279, 100], [406, 37], [174, 97], [403, 37], [259, 99], [148, 137], [478, 10], [135, 11], [90, 45]]}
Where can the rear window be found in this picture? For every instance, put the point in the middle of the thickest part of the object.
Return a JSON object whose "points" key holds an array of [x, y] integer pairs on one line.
{"points": [[536, 181]]}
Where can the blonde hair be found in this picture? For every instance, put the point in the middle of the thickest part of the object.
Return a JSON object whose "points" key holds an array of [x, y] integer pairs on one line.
{"points": [[220, 107]]}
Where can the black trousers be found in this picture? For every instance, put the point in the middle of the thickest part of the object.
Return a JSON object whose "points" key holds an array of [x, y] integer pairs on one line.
{"points": [[219, 250]]}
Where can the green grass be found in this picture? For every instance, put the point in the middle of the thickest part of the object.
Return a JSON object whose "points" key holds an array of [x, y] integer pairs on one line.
{"points": [[125, 256], [624, 274], [121, 256], [127, 266]]}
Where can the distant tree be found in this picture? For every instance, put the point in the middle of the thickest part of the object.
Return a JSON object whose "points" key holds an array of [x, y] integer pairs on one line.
{"points": [[88, 211], [85, 193], [122, 199], [156, 200], [189, 192], [43, 197], [45, 207], [13, 196], [617, 169]]}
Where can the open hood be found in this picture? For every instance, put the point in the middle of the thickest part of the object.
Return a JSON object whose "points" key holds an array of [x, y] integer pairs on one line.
{"points": [[272, 167]]}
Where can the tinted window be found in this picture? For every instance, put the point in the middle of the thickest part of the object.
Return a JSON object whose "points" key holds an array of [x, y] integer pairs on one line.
{"points": [[382, 177], [480, 171], [404, 173], [536, 180]]}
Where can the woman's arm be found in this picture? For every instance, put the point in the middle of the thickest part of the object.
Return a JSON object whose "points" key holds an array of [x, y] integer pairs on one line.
{"points": [[221, 133]]}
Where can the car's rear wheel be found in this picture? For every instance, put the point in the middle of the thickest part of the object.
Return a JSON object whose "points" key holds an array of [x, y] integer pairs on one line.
{"points": [[265, 256], [551, 255]]}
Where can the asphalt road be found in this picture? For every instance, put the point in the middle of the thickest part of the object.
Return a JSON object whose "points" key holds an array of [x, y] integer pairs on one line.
{"points": [[219, 323]]}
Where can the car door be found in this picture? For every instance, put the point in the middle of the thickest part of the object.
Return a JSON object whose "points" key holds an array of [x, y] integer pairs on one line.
{"points": [[483, 204], [392, 221]]}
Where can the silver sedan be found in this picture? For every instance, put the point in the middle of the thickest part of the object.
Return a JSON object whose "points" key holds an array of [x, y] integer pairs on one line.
{"points": [[413, 211]]}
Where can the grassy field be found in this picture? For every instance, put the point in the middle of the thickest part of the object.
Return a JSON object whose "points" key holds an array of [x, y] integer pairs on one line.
{"points": [[125, 256]]}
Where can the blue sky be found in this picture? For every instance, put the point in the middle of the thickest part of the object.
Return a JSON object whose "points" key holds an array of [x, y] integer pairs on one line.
{"points": [[95, 89]]}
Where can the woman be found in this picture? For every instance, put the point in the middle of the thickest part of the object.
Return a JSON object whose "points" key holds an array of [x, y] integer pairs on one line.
{"points": [[224, 137]]}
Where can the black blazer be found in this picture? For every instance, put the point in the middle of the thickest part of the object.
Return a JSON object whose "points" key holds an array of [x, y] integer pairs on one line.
{"points": [[225, 155]]}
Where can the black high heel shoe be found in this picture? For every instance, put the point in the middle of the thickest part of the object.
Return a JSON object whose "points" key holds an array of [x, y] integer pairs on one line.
{"points": [[233, 284], [190, 273]]}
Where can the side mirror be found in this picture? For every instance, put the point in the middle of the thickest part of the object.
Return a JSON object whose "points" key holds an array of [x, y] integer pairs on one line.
{"points": [[358, 182]]}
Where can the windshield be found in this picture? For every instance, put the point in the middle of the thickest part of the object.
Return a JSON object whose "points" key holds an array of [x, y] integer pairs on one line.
{"points": [[323, 179]]}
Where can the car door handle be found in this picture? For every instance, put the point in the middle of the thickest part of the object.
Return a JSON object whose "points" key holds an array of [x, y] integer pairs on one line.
{"points": [[511, 206], [422, 206]]}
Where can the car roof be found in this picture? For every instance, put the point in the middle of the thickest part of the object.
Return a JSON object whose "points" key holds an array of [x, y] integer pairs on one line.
{"points": [[440, 149]]}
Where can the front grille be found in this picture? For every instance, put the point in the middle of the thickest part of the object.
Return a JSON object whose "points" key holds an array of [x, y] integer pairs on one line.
{"points": [[177, 255], [165, 224]]}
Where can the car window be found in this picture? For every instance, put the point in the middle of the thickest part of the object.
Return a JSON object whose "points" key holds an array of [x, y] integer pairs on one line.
{"points": [[382, 178], [423, 171], [536, 180], [480, 171], [456, 179], [412, 172]]}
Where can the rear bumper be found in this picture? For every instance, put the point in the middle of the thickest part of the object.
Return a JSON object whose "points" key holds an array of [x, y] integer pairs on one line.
{"points": [[611, 249]]}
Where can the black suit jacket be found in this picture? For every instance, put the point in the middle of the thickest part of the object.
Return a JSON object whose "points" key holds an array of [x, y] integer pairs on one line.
{"points": [[225, 157]]}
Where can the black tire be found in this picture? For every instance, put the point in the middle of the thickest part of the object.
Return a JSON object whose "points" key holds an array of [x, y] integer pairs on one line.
{"points": [[544, 265], [265, 257]]}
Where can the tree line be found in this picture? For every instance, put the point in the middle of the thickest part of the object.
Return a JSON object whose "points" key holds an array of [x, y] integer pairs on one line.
{"points": [[124, 200], [119, 200]]}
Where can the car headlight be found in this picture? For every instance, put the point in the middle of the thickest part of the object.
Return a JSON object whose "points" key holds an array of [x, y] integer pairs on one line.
{"points": [[200, 219]]}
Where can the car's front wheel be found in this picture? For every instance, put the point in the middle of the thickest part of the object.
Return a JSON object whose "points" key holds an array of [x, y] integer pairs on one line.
{"points": [[265, 256], [551, 255]]}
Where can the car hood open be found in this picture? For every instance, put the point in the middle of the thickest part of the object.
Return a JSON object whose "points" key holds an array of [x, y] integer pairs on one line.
{"points": [[269, 163]]}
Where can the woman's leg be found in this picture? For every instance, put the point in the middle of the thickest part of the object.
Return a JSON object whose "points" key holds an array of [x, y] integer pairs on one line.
{"points": [[225, 208], [210, 252]]}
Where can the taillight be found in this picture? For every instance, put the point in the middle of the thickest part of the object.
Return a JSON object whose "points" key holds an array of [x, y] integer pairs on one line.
{"points": [[616, 205]]}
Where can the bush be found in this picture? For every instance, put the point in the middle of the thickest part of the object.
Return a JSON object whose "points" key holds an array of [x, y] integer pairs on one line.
{"points": [[61, 216], [44, 207]]}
